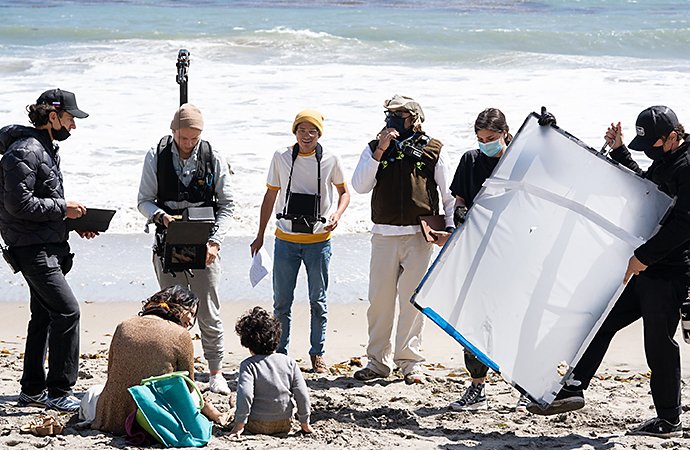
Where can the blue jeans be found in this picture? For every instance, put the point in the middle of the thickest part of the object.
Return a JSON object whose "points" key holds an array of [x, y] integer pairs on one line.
{"points": [[287, 259]]}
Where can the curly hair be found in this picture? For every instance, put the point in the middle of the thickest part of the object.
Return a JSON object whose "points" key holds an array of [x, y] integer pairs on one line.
{"points": [[259, 331], [170, 304], [39, 113], [680, 131]]}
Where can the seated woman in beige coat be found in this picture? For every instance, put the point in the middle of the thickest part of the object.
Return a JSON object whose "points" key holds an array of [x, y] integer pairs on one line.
{"points": [[154, 342]]}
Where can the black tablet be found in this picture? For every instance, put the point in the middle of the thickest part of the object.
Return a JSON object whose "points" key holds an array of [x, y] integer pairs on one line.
{"points": [[94, 220]]}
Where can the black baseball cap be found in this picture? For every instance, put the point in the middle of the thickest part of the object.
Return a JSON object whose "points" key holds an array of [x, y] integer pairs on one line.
{"points": [[63, 101], [652, 124]]}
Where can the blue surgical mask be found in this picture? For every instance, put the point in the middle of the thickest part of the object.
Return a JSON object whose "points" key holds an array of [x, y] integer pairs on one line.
{"points": [[491, 149]]}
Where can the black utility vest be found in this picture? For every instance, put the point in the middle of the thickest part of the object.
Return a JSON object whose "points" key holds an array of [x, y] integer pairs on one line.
{"points": [[201, 188], [404, 189]]}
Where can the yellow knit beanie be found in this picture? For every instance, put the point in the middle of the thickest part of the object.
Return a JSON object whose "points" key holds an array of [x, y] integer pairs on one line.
{"points": [[311, 116]]}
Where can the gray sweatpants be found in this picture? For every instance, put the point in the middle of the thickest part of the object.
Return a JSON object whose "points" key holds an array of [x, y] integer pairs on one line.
{"points": [[204, 284]]}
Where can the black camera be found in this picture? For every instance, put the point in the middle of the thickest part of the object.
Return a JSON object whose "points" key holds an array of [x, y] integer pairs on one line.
{"points": [[302, 212], [413, 146]]}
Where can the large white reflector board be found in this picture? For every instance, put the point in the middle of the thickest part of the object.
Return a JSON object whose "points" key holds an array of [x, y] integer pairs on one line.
{"points": [[527, 280]]}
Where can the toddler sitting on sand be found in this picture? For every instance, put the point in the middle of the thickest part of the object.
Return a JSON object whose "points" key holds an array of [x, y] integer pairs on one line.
{"points": [[269, 383]]}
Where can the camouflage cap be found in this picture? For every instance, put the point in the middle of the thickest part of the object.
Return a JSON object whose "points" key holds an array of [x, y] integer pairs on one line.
{"points": [[399, 102]]}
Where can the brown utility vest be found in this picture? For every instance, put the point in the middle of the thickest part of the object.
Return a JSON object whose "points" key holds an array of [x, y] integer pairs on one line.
{"points": [[406, 189]]}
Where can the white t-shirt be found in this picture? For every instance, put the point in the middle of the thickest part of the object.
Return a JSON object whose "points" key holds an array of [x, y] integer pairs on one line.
{"points": [[304, 181]]}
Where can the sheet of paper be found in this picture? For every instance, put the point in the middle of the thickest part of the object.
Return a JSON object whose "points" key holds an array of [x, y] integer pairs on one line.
{"points": [[261, 266]]}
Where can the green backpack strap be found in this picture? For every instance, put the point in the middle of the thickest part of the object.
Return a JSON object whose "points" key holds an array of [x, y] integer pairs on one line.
{"points": [[181, 374]]}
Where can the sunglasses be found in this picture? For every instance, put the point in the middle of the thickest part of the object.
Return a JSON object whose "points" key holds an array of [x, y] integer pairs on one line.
{"points": [[401, 114]]}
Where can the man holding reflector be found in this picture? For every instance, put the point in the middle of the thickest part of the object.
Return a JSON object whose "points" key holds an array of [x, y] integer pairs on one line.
{"points": [[657, 276]]}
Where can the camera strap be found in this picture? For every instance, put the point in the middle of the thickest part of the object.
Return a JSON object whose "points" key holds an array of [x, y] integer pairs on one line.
{"points": [[288, 192]]}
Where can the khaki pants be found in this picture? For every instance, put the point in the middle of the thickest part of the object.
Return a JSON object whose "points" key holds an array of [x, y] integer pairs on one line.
{"points": [[397, 265], [269, 427]]}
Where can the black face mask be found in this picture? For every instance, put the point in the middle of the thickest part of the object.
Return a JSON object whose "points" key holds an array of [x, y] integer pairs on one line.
{"points": [[398, 123], [655, 153], [60, 134]]}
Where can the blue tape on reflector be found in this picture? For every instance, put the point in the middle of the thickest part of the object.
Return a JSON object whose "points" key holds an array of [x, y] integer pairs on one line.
{"points": [[448, 328]]}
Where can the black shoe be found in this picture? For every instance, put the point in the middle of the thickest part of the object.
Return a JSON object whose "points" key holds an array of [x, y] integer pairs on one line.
{"points": [[40, 400], [565, 401], [473, 399], [658, 427], [367, 374], [65, 403]]}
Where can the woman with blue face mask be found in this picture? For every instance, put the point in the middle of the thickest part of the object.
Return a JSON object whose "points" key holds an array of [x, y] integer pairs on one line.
{"points": [[474, 168], [477, 165]]}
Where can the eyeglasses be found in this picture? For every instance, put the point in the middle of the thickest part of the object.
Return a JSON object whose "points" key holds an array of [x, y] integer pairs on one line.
{"points": [[311, 132]]}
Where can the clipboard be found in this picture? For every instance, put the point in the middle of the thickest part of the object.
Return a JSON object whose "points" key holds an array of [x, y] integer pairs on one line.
{"points": [[94, 220], [427, 223]]}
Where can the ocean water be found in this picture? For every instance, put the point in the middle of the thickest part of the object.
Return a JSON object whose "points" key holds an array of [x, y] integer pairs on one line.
{"points": [[255, 64]]}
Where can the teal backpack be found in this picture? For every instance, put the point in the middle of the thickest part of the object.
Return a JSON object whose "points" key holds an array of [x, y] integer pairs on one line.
{"points": [[168, 411]]}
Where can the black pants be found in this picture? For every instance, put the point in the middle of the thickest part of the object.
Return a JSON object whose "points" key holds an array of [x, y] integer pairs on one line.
{"points": [[54, 323], [476, 368], [657, 301]]}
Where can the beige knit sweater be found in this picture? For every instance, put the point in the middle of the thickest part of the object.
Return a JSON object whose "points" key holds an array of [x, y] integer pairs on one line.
{"points": [[141, 347]]}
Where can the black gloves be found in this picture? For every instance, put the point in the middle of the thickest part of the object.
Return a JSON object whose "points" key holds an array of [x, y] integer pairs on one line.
{"points": [[546, 118], [459, 215]]}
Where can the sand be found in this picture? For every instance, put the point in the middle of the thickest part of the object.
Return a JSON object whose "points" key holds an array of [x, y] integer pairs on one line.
{"points": [[352, 414]]}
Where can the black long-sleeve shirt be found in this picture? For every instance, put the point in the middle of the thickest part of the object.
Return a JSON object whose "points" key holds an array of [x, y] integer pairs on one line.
{"points": [[667, 253]]}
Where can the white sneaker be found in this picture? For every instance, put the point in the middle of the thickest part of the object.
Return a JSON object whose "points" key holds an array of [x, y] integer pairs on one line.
{"points": [[416, 376], [218, 384], [521, 405]]}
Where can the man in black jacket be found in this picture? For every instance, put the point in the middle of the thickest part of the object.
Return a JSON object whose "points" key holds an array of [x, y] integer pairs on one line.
{"points": [[657, 276], [32, 213]]}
